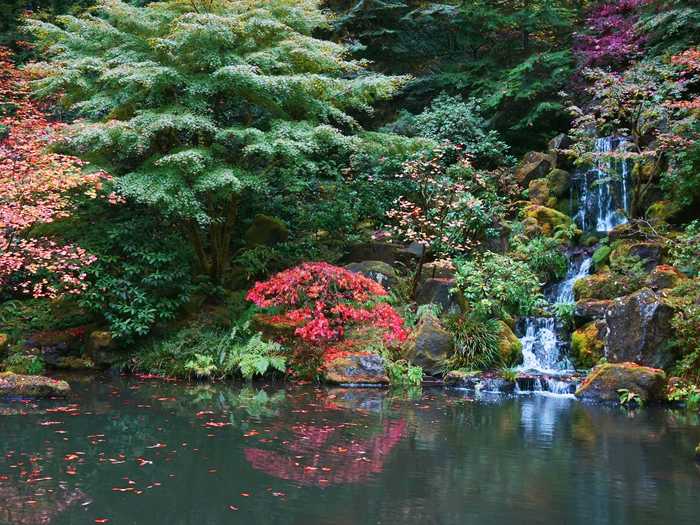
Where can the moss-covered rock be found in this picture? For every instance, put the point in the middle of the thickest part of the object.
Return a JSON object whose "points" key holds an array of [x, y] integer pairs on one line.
{"points": [[664, 276], [31, 386], [538, 191], [534, 165], [378, 271], [602, 285], [589, 310], [651, 252], [662, 211], [266, 231], [601, 256], [438, 291], [588, 344], [548, 219], [559, 182], [604, 381], [531, 227], [356, 369], [510, 347], [430, 345]]}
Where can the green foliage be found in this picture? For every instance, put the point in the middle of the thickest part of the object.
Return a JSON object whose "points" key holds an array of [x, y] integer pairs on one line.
{"points": [[544, 256], [601, 255], [18, 318], [629, 399], [24, 364], [685, 250], [402, 373], [477, 343], [196, 107], [205, 351], [495, 285], [686, 393], [685, 299], [565, 313], [509, 374], [454, 120]]}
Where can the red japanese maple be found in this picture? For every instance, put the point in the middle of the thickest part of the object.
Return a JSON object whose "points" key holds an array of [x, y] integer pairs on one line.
{"points": [[35, 186], [325, 300]]}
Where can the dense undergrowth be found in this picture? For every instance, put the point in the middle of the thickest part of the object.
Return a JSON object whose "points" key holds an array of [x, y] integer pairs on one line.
{"points": [[175, 154]]}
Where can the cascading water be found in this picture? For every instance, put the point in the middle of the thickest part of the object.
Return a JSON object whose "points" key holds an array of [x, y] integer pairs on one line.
{"points": [[542, 344], [601, 192]]}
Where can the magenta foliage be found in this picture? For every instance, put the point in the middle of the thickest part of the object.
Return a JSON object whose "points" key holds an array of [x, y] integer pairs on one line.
{"points": [[610, 38]]}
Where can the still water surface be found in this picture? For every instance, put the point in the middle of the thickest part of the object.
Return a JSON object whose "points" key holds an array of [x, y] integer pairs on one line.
{"points": [[140, 451]]}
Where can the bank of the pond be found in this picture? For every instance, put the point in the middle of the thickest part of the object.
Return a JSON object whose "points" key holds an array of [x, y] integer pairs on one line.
{"points": [[140, 451]]}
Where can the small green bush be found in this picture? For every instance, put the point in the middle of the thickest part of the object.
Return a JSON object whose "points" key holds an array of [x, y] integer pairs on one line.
{"points": [[477, 343], [24, 364]]}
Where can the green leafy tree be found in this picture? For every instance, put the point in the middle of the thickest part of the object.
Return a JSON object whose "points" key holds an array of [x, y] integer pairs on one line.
{"points": [[194, 106]]}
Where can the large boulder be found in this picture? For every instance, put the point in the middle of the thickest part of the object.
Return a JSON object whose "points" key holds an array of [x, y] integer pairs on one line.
{"points": [[31, 386], [588, 344], [378, 271], [534, 165], [356, 369], [600, 286], [430, 345], [102, 350], [479, 381], [639, 329], [650, 252], [388, 252], [604, 381], [664, 276], [548, 219], [438, 291]]}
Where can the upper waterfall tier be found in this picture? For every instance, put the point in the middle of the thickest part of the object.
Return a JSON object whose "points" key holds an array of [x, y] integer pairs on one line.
{"points": [[601, 192]]}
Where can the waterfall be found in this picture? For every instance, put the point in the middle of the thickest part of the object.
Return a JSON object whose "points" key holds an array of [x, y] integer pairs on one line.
{"points": [[542, 343], [601, 192]]}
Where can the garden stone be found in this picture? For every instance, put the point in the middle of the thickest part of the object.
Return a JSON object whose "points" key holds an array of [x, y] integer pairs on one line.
{"points": [[604, 381], [356, 369]]}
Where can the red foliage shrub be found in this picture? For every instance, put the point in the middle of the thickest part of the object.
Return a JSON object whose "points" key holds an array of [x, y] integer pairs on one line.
{"points": [[326, 300]]}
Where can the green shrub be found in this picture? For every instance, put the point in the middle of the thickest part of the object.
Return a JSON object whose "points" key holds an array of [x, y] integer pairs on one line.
{"points": [[24, 364], [545, 257], [402, 373], [685, 250], [477, 343], [496, 285]]}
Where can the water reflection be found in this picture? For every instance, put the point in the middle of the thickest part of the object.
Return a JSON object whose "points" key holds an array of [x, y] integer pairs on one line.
{"points": [[145, 452]]}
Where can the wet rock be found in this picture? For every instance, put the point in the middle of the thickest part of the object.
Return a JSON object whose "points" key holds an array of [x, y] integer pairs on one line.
{"points": [[538, 191], [356, 369], [102, 350], [534, 165], [479, 382], [31, 386], [430, 345], [378, 271], [588, 344], [438, 291], [664, 276], [639, 329], [604, 381], [547, 219], [589, 310], [266, 231]]}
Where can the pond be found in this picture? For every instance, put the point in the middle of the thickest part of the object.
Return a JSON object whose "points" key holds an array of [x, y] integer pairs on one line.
{"points": [[145, 451]]}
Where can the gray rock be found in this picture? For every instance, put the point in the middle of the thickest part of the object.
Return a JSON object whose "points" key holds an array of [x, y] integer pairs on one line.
{"points": [[438, 291], [378, 271], [357, 369], [430, 345], [31, 386], [604, 381]]}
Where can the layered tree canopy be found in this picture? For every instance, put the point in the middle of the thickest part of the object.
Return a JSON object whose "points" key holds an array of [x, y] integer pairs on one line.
{"points": [[190, 105]]}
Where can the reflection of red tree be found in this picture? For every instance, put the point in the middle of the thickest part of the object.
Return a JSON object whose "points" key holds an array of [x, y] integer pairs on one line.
{"points": [[38, 507], [313, 461]]}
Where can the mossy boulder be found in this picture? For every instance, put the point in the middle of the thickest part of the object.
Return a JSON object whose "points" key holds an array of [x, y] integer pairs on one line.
{"points": [[604, 381], [588, 344], [548, 219], [510, 347], [31, 386], [438, 291], [664, 276], [531, 227], [266, 231], [534, 165], [430, 345], [559, 182], [601, 256], [639, 329], [378, 271], [651, 252], [101, 351], [662, 211], [356, 370], [538, 191], [602, 285]]}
